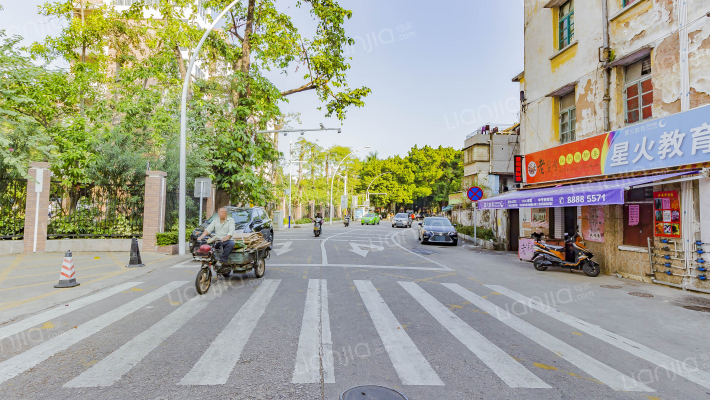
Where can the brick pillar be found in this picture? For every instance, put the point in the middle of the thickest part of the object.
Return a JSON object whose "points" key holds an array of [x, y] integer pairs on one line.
{"points": [[37, 208], [311, 209], [153, 209], [209, 206]]}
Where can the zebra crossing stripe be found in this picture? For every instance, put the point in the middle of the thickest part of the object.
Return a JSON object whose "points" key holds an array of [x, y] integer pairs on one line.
{"points": [[408, 361], [315, 340], [22, 362], [689, 372], [109, 370], [326, 339], [502, 364], [603, 373], [217, 363], [53, 313]]}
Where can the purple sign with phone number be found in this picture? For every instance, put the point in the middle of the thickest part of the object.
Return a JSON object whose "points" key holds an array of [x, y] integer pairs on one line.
{"points": [[597, 193]]}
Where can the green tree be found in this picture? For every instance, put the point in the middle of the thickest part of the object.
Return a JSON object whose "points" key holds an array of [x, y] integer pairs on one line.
{"points": [[25, 113]]}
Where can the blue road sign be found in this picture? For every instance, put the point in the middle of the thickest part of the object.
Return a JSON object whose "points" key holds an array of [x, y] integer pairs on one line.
{"points": [[475, 193]]}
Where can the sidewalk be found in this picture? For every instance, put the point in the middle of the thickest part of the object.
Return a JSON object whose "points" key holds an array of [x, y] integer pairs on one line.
{"points": [[27, 280]]}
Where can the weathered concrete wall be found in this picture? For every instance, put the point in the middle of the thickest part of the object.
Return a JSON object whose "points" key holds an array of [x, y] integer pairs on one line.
{"points": [[653, 24], [547, 69], [62, 245], [496, 220]]}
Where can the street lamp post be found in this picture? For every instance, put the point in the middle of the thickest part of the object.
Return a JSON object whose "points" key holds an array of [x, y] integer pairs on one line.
{"points": [[183, 129], [333, 180], [290, 180]]}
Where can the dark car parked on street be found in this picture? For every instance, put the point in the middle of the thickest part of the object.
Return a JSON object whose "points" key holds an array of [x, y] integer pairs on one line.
{"points": [[254, 219], [437, 230]]}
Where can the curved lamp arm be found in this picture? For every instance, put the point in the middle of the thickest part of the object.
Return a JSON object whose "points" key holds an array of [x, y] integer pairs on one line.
{"points": [[372, 181], [183, 127], [333, 180]]}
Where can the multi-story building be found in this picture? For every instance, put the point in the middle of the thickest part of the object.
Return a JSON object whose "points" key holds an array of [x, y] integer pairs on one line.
{"points": [[488, 159], [614, 99]]}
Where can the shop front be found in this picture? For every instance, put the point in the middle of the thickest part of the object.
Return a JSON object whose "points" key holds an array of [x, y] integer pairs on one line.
{"points": [[638, 196]]}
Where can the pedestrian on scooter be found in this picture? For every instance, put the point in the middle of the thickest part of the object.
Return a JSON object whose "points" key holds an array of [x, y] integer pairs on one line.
{"points": [[223, 229], [319, 219]]}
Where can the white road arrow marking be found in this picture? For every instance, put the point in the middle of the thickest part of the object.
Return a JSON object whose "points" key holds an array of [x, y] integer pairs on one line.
{"points": [[285, 248], [357, 248]]}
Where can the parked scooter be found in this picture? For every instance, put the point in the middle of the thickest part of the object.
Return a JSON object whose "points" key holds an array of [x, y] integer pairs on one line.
{"points": [[573, 255], [347, 221], [317, 226]]}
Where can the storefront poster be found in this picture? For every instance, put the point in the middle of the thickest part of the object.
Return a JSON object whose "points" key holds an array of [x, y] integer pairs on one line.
{"points": [[666, 214], [539, 219], [678, 140], [593, 223], [634, 211]]}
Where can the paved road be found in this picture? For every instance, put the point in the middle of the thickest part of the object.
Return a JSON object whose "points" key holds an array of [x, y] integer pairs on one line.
{"points": [[365, 305]]}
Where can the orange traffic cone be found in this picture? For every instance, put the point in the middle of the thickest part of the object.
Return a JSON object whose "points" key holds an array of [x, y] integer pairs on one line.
{"points": [[66, 276]]}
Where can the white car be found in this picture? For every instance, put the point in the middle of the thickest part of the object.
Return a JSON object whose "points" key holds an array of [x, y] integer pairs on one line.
{"points": [[403, 220]]}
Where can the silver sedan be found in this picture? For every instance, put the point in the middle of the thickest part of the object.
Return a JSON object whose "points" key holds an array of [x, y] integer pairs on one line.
{"points": [[401, 220]]}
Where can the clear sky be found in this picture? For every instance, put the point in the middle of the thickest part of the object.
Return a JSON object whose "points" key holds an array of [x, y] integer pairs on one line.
{"points": [[437, 70]]}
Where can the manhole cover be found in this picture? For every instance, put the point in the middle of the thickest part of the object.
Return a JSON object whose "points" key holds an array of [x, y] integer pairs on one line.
{"points": [[610, 286], [639, 294], [698, 308], [371, 392]]}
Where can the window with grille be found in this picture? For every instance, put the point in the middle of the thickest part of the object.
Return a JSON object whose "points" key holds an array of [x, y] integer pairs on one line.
{"points": [[566, 24], [568, 118], [638, 92]]}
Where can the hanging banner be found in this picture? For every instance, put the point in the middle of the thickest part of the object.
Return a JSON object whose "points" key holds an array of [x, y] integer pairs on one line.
{"points": [[666, 214], [593, 223], [634, 211], [586, 194], [678, 140]]}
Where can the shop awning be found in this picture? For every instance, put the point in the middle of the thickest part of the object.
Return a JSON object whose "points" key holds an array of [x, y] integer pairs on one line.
{"points": [[586, 194]]}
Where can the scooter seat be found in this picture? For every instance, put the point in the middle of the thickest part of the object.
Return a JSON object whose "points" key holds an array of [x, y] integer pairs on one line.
{"points": [[553, 247]]}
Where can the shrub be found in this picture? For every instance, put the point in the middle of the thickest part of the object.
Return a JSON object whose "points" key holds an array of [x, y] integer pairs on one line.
{"points": [[169, 238], [481, 233]]}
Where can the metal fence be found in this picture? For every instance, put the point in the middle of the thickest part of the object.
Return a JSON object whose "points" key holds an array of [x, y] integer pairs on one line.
{"points": [[13, 197], [192, 211], [87, 211]]}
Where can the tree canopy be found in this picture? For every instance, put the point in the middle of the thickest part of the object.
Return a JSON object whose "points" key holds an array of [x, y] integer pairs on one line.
{"points": [[121, 90]]}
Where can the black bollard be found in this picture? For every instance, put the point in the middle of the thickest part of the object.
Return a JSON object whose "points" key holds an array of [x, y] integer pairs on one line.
{"points": [[135, 260]]}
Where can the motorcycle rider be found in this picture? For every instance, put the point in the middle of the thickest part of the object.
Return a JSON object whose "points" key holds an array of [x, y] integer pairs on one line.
{"points": [[223, 228], [318, 219]]}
